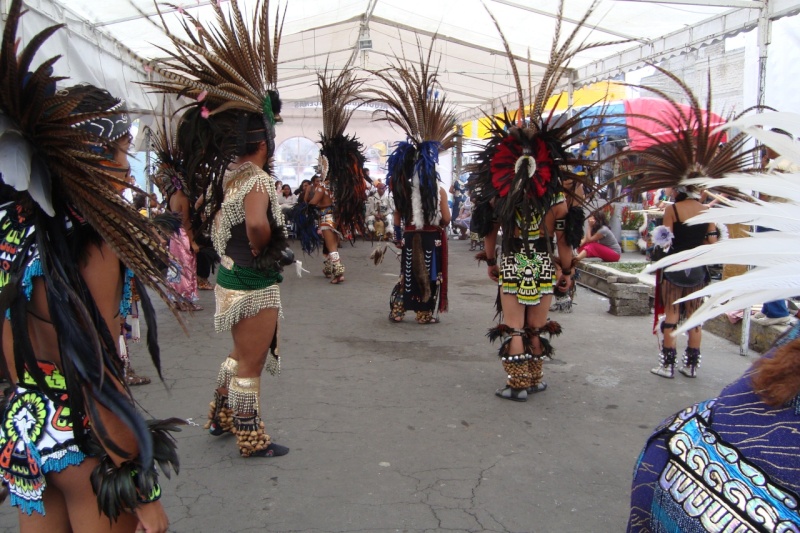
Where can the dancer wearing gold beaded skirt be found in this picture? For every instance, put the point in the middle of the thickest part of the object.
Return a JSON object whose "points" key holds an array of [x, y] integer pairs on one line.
{"points": [[230, 131]]}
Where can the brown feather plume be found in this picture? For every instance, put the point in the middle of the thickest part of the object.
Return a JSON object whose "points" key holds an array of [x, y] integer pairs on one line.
{"points": [[234, 64], [696, 149], [49, 123], [412, 101], [344, 154]]}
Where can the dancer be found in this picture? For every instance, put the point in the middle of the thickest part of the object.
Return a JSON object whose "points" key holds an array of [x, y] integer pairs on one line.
{"points": [[170, 176], [341, 194], [232, 126], [319, 199], [518, 184], [692, 150], [415, 105], [730, 463], [70, 429]]}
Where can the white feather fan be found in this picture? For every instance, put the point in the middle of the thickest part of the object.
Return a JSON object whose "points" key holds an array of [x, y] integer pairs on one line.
{"points": [[776, 255]]}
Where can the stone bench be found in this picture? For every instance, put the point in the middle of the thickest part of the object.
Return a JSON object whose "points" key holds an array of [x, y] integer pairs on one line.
{"points": [[627, 294]]}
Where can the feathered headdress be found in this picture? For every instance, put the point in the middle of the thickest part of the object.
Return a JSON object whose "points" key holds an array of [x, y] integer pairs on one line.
{"points": [[60, 187], [520, 172], [696, 147], [169, 173], [775, 254], [416, 105], [341, 155], [230, 69]]}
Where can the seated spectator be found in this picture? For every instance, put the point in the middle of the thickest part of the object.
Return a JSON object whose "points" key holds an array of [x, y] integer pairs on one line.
{"points": [[379, 210], [461, 223], [600, 242], [286, 199]]}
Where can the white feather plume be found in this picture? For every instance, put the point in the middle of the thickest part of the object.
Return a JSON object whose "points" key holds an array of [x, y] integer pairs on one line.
{"points": [[418, 218], [773, 215], [758, 126], [762, 249], [783, 185], [741, 292]]}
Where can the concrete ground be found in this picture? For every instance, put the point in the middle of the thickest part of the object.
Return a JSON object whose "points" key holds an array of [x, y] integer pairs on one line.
{"points": [[395, 427]]}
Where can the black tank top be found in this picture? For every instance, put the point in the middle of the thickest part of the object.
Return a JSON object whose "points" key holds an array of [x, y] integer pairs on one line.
{"points": [[238, 247], [687, 237]]}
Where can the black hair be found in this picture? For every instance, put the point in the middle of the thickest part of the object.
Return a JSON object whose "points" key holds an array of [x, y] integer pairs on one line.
{"points": [[140, 200], [250, 133], [300, 187], [600, 220]]}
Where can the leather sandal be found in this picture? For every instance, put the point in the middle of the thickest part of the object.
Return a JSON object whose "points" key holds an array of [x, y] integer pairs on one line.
{"points": [[515, 395]]}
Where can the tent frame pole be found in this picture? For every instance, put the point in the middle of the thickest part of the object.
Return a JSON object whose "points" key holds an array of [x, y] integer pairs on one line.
{"points": [[764, 38]]}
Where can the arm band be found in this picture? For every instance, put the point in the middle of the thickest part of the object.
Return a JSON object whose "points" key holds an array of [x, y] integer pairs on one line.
{"points": [[491, 262]]}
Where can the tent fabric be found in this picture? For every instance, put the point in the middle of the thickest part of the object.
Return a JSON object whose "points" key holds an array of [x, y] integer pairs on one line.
{"points": [[642, 114], [612, 123], [474, 72]]}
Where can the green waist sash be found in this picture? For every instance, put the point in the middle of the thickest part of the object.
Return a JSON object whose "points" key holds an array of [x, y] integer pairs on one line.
{"points": [[239, 278]]}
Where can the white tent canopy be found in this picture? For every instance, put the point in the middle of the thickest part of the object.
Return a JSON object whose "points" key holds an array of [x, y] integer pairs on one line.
{"points": [[106, 40]]}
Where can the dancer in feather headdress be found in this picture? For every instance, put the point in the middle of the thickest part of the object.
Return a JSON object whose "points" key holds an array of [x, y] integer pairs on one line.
{"points": [[519, 185], [70, 242], [341, 192], [230, 69], [735, 457], [690, 149], [170, 174], [416, 106]]}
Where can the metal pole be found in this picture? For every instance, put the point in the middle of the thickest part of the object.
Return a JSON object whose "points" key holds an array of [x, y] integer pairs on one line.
{"points": [[148, 171], [764, 37], [459, 148]]}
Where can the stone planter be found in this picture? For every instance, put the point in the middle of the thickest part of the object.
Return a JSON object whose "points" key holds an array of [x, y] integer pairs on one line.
{"points": [[627, 294]]}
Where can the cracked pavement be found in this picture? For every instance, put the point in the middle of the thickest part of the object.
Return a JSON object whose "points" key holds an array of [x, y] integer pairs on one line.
{"points": [[395, 427]]}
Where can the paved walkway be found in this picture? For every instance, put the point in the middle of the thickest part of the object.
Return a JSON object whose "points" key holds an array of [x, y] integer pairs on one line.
{"points": [[394, 427]]}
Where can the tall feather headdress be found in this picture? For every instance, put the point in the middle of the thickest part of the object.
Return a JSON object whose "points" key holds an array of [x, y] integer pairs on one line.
{"points": [[59, 189], [229, 69], [774, 254], [696, 146], [169, 172], [521, 170], [341, 155], [416, 105]]}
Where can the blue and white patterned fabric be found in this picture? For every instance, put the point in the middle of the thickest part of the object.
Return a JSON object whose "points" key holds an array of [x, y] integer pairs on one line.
{"points": [[727, 464]]}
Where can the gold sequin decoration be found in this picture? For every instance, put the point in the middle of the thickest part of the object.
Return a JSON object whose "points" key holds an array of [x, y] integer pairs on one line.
{"points": [[236, 185], [234, 305]]}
